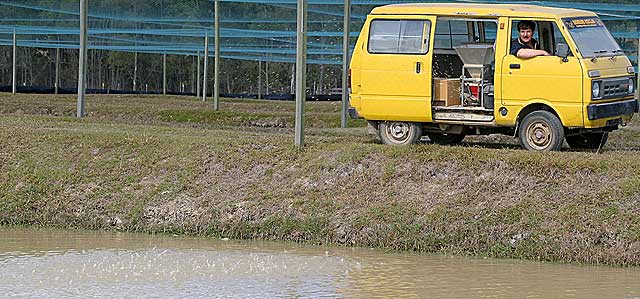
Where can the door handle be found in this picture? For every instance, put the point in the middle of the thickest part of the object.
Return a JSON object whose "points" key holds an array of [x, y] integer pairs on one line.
{"points": [[514, 66], [418, 67]]}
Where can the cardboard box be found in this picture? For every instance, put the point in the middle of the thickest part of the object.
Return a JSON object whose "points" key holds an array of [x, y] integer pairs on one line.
{"points": [[447, 91]]}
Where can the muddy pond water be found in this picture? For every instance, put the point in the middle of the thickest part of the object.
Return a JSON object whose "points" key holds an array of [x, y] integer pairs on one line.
{"points": [[43, 263]]}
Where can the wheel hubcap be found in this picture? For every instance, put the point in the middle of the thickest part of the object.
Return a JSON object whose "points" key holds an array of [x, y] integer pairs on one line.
{"points": [[539, 135], [399, 132]]}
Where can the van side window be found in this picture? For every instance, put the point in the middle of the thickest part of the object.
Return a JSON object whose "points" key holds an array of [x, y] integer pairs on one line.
{"points": [[399, 36], [558, 39], [455, 32], [487, 31], [547, 35], [451, 33]]}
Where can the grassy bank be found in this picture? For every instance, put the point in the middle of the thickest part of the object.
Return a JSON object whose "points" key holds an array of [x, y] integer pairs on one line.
{"points": [[171, 165]]}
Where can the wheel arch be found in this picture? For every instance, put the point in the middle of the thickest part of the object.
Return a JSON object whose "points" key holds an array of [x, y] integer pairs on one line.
{"points": [[532, 107]]}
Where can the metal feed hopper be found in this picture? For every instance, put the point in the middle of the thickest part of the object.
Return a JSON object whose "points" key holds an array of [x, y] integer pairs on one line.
{"points": [[475, 57]]}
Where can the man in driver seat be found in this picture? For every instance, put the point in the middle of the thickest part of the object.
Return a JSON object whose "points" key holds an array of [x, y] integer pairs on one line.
{"points": [[525, 46]]}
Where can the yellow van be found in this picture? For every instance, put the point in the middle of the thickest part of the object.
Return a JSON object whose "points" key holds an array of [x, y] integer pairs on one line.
{"points": [[451, 70]]}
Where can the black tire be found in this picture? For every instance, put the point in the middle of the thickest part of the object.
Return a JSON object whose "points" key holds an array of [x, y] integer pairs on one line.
{"points": [[399, 133], [441, 138], [589, 141], [541, 131]]}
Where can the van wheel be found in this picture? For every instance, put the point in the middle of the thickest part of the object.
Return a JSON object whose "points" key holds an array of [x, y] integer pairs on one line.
{"points": [[541, 131], [399, 133], [590, 141], [441, 138]]}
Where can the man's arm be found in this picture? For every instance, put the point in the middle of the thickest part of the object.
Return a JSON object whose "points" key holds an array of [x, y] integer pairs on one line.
{"points": [[530, 53]]}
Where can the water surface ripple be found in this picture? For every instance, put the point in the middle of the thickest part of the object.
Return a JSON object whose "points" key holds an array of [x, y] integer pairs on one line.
{"points": [[36, 263]]}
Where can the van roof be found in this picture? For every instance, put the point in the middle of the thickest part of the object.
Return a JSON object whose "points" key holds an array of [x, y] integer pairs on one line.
{"points": [[473, 9]]}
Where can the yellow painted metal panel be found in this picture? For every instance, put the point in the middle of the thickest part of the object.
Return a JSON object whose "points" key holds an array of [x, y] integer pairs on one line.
{"points": [[355, 100], [608, 67], [547, 80], [391, 87]]}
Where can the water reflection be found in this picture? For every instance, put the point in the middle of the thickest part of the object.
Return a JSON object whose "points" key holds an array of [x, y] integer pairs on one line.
{"points": [[54, 264]]}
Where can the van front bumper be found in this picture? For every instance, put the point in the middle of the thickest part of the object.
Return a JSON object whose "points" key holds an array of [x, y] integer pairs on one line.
{"points": [[605, 110]]}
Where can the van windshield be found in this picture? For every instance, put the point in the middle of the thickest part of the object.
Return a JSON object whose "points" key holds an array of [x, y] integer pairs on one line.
{"points": [[592, 37]]}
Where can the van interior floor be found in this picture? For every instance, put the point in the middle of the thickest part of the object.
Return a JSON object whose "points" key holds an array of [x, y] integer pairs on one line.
{"points": [[463, 113]]}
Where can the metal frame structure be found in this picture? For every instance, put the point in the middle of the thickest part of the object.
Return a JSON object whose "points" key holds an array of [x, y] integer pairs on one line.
{"points": [[206, 65], [345, 63], [15, 63], [301, 71], [82, 61], [216, 61]]}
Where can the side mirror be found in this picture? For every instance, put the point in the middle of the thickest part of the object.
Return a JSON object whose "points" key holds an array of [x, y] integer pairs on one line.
{"points": [[562, 50]]}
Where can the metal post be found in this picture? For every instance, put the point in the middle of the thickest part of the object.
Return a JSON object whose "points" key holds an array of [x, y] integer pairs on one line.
{"points": [[638, 70], [259, 79], [15, 61], [206, 65], [292, 88], [345, 63], [82, 60], [135, 71], [216, 61], [164, 74], [57, 81], [198, 77], [301, 70]]}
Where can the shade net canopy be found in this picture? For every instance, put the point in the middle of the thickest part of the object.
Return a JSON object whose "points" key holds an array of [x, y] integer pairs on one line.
{"points": [[250, 29]]}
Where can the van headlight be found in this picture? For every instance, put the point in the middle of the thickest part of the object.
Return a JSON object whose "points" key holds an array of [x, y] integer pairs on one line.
{"points": [[595, 90], [631, 89]]}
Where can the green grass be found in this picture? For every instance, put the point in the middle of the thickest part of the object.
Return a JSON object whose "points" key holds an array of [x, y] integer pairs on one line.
{"points": [[175, 109], [173, 165]]}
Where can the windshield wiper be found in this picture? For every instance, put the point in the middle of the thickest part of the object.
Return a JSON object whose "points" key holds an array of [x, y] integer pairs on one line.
{"points": [[617, 52], [597, 55]]}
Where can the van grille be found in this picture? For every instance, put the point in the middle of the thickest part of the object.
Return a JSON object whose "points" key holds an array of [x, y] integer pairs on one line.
{"points": [[615, 88]]}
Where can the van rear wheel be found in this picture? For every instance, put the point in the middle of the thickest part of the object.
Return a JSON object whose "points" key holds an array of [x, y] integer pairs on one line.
{"points": [[589, 141], [541, 131], [399, 133]]}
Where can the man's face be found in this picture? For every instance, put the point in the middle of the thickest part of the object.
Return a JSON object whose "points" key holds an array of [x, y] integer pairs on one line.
{"points": [[525, 35]]}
